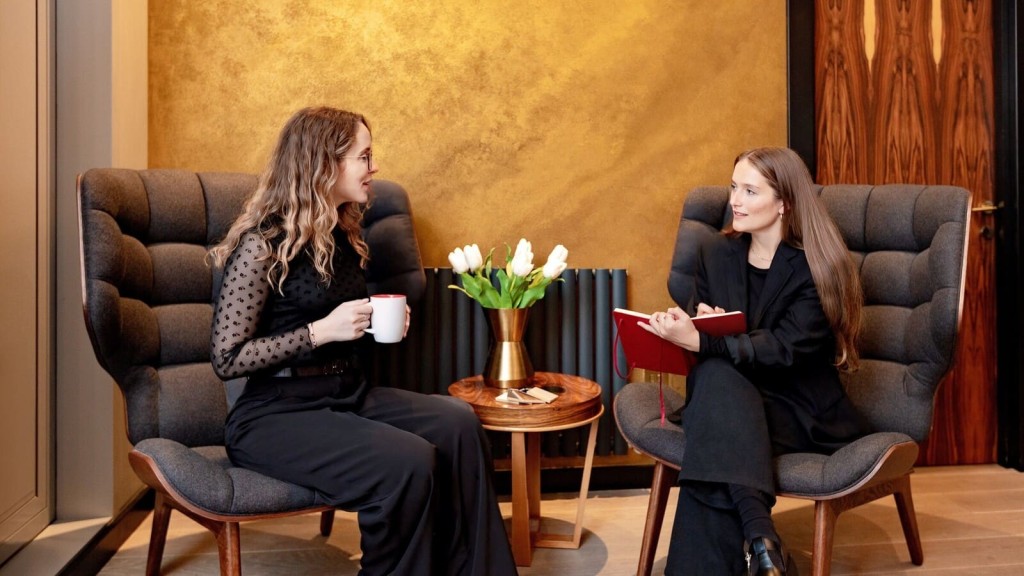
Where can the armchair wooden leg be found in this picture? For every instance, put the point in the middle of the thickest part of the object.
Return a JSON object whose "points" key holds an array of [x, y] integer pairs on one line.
{"points": [[158, 536], [827, 511], [908, 518], [326, 522], [825, 514], [664, 478], [229, 549]]}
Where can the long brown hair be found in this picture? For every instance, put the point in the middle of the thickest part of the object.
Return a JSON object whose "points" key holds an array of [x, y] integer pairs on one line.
{"points": [[291, 209], [807, 225]]}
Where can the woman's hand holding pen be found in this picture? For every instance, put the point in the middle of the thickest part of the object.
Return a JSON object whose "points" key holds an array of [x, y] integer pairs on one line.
{"points": [[675, 326], [703, 309], [346, 322]]}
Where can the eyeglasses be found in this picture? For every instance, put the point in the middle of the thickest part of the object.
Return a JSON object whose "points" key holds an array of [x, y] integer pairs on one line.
{"points": [[368, 158]]}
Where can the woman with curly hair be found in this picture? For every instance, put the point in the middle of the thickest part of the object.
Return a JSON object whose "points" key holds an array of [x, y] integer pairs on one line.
{"points": [[290, 316]]}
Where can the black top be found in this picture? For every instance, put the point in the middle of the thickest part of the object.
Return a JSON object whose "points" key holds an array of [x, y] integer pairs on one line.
{"points": [[258, 330], [756, 277], [786, 325], [788, 351]]}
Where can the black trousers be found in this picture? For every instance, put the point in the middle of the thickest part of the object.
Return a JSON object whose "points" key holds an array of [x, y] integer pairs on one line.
{"points": [[707, 534], [727, 442], [416, 468], [733, 431]]}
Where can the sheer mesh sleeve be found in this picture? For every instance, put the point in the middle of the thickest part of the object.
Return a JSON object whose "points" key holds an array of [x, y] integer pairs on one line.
{"points": [[238, 348]]}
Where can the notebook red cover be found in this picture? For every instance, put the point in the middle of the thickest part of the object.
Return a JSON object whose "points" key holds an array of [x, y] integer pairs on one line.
{"points": [[724, 324], [649, 351], [652, 352]]}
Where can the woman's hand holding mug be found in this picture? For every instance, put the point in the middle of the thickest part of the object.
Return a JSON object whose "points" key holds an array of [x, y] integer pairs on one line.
{"points": [[390, 318]]}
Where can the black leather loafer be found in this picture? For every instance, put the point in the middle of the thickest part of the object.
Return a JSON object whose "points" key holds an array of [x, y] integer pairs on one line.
{"points": [[770, 558]]}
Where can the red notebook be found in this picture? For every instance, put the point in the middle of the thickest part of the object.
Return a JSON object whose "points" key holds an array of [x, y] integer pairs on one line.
{"points": [[723, 324], [651, 352]]}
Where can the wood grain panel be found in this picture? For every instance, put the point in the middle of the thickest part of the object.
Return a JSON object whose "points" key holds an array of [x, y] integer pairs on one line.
{"points": [[966, 107], [929, 119], [903, 74], [842, 93], [966, 403]]}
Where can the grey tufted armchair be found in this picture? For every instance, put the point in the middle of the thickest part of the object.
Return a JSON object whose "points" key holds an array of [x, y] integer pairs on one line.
{"points": [[148, 292], [910, 243]]}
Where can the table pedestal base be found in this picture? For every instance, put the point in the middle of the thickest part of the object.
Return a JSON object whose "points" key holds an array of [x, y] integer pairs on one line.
{"points": [[578, 403], [526, 518]]}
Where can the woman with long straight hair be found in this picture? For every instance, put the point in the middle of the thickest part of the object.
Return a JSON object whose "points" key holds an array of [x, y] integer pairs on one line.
{"points": [[774, 389], [290, 316]]}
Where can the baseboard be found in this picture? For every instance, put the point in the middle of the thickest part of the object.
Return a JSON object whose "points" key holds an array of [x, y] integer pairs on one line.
{"points": [[102, 547]]}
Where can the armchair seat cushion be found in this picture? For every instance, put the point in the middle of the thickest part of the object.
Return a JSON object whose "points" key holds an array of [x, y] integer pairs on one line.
{"points": [[819, 475], [206, 478], [639, 420], [799, 474]]}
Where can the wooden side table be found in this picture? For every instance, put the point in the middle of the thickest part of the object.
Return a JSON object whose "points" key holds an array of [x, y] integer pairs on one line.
{"points": [[578, 404]]}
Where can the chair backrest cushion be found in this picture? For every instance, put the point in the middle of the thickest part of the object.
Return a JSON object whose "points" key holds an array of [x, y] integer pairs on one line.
{"points": [[148, 287], [909, 242]]}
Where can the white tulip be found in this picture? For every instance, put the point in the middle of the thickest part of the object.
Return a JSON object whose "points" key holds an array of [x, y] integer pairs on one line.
{"points": [[558, 254], [523, 251], [522, 260], [553, 269], [458, 261], [522, 267], [556, 262], [474, 259]]}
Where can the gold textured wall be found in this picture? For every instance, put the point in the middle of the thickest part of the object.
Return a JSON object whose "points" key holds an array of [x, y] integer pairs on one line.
{"points": [[582, 123]]}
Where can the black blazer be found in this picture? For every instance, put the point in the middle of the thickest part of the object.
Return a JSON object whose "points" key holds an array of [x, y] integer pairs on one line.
{"points": [[788, 351]]}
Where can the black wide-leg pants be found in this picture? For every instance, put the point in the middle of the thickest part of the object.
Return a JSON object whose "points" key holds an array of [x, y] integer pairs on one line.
{"points": [[733, 430], [727, 442], [416, 468]]}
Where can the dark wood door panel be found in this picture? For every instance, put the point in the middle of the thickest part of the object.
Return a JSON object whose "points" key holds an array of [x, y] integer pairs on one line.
{"points": [[911, 113]]}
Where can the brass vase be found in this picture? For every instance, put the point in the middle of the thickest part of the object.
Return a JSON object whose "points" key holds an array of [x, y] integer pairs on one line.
{"points": [[508, 365]]}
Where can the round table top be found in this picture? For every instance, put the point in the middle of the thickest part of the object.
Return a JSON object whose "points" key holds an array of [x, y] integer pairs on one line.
{"points": [[578, 402]]}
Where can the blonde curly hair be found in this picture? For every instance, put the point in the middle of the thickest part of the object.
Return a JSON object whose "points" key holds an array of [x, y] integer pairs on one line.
{"points": [[291, 209]]}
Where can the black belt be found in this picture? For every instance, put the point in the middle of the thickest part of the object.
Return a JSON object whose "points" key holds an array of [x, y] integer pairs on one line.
{"points": [[335, 366], [335, 379]]}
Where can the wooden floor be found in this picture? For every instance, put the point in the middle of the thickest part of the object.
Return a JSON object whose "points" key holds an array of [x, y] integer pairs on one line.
{"points": [[971, 520]]}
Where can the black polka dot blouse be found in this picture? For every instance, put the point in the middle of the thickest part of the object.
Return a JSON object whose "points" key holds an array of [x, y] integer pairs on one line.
{"points": [[258, 330]]}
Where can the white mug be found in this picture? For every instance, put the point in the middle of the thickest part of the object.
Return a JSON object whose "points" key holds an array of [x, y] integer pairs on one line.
{"points": [[387, 322]]}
